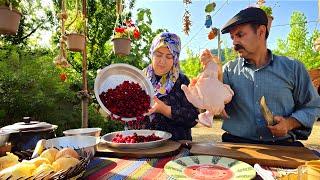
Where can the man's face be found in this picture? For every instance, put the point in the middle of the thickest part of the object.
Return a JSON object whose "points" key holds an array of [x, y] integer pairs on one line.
{"points": [[245, 40]]}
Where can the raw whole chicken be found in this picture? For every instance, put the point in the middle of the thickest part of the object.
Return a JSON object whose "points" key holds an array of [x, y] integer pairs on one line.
{"points": [[207, 92]]}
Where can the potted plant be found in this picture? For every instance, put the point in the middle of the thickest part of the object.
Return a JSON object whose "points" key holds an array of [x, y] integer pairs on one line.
{"points": [[9, 17], [122, 35], [268, 11], [75, 36]]}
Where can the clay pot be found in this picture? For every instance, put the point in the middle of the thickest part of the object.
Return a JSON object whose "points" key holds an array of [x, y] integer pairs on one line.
{"points": [[76, 42], [9, 20], [121, 46]]}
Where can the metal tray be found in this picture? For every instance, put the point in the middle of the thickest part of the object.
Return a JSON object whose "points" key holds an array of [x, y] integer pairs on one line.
{"points": [[145, 145], [115, 74]]}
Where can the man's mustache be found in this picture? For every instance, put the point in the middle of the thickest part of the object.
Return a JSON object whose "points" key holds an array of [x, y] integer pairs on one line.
{"points": [[237, 47]]}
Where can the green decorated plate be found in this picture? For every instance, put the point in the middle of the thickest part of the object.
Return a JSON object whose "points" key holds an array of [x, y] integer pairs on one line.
{"points": [[209, 168]]}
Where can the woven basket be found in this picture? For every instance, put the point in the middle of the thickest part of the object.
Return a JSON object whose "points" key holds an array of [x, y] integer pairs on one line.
{"points": [[74, 172]]}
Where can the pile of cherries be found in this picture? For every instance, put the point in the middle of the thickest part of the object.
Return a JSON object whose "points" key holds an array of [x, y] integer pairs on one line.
{"points": [[127, 100], [135, 138]]}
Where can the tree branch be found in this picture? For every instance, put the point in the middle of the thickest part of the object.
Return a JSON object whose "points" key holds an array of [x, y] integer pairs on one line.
{"points": [[33, 31]]}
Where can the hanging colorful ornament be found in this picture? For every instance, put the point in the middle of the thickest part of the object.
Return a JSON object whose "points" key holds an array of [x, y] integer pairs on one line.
{"points": [[213, 33], [208, 22], [210, 7]]}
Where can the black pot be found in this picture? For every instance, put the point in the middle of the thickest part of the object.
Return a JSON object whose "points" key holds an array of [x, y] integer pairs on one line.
{"points": [[25, 135]]}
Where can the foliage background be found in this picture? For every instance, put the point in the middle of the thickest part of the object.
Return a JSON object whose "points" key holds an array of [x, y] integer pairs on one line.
{"points": [[30, 84]]}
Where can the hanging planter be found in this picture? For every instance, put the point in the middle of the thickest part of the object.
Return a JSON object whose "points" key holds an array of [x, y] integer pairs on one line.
{"points": [[75, 42], [122, 37], [121, 46], [9, 20]]}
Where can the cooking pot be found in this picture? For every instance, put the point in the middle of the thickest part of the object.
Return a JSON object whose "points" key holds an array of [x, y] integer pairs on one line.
{"points": [[25, 135]]}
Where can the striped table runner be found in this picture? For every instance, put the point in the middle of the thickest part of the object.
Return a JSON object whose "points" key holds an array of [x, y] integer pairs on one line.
{"points": [[117, 169]]}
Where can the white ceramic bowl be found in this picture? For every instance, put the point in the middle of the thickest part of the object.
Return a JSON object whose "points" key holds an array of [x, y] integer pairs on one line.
{"points": [[86, 144], [83, 132]]}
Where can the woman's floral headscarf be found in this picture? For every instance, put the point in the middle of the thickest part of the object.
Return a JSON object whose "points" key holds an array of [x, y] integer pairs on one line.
{"points": [[166, 83]]}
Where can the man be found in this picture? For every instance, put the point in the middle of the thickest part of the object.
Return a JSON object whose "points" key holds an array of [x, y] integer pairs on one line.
{"points": [[284, 83]]}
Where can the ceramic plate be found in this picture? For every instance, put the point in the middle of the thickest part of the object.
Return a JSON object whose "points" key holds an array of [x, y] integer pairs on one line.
{"points": [[143, 145], [209, 168]]}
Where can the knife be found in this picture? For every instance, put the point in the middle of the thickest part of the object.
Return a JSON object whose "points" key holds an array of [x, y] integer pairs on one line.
{"points": [[267, 114]]}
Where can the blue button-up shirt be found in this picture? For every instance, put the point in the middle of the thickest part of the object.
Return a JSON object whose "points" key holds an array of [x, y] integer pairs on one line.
{"points": [[288, 90]]}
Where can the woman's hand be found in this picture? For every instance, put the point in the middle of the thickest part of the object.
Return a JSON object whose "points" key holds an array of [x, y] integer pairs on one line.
{"points": [[160, 107]]}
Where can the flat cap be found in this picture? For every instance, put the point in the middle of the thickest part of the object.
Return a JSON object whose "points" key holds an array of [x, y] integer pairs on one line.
{"points": [[248, 15]]}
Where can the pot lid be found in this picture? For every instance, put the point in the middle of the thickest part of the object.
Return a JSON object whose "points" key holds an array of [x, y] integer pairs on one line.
{"points": [[28, 126]]}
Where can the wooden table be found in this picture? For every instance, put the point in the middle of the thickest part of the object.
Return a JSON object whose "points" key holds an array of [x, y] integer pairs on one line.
{"points": [[141, 168]]}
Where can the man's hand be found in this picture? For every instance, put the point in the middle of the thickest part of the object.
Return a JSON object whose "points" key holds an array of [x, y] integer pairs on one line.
{"points": [[283, 126], [160, 107], [207, 57]]}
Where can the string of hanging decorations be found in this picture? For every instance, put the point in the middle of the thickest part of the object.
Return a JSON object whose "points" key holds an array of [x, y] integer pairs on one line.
{"points": [[75, 40], [186, 17], [210, 7], [61, 59]]}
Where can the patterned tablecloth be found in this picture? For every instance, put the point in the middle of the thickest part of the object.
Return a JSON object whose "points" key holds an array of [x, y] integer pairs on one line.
{"points": [[145, 168]]}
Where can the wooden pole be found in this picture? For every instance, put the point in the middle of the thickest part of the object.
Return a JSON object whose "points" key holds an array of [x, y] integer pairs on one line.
{"points": [[85, 95]]}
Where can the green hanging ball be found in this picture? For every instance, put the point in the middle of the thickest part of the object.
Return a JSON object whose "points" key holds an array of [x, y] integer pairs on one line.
{"points": [[210, 7]]}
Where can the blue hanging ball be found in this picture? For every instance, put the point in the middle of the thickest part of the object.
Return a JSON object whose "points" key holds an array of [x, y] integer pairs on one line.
{"points": [[208, 22]]}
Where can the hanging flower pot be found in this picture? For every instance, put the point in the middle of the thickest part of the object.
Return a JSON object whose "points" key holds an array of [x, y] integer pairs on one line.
{"points": [[270, 19], [123, 34], [75, 42], [9, 20], [121, 46]]}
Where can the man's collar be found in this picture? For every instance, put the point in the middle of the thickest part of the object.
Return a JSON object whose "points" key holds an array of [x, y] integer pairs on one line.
{"points": [[244, 62]]}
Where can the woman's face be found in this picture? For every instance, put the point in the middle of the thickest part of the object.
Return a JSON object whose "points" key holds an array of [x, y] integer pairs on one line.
{"points": [[162, 61]]}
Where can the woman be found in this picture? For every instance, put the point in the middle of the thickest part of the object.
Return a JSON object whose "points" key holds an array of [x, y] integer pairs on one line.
{"points": [[171, 112]]}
